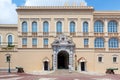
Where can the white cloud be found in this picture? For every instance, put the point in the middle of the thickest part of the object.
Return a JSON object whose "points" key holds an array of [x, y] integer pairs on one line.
{"points": [[8, 13], [52, 2]]}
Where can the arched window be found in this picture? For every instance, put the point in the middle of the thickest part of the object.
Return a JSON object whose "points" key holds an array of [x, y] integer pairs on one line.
{"points": [[98, 26], [99, 43], [24, 26], [112, 26], [45, 26], [10, 39], [85, 27], [59, 26], [113, 43], [34, 26], [72, 27]]}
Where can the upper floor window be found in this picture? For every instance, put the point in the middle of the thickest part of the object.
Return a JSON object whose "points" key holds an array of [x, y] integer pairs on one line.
{"points": [[34, 26], [72, 27], [112, 26], [34, 41], [113, 43], [46, 42], [45, 26], [24, 41], [98, 26], [85, 27], [24, 26], [59, 26], [99, 43], [86, 42], [10, 39]]}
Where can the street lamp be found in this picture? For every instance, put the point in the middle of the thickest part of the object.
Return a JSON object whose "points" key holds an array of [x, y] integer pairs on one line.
{"points": [[75, 62], [8, 57], [52, 61]]}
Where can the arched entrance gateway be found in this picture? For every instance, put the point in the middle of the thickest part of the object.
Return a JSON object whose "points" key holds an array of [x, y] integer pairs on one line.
{"points": [[63, 52], [62, 60]]}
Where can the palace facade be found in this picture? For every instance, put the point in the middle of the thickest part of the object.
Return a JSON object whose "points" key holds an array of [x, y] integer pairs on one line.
{"points": [[62, 37]]}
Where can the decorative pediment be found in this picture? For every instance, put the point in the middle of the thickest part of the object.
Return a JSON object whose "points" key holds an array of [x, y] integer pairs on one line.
{"points": [[82, 59], [46, 59], [63, 40]]}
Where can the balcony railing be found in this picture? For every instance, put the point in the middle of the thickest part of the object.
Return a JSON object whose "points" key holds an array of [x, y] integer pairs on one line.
{"points": [[24, 46], [34, 33], [24, 33], [113, 34], [114, 49], [34, 46], [85, 33], [99, 34], [8, 47], [58, 33], [99, 49], [45, 46], [45, 33], [72, 33], [86, 46]]}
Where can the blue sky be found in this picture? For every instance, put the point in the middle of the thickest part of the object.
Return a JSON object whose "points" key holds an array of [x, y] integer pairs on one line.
{"points": [[8, 14], [97, 4]]}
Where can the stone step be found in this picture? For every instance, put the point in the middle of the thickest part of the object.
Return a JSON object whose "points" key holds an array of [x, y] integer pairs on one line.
{"points": [[63, 71]]}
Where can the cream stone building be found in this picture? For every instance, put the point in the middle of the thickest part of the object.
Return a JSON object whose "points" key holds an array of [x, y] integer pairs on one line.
{"points": [[62, 37]]}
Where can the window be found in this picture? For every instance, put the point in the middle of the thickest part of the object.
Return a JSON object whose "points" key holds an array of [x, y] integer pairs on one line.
{"points": [[85, 42], [34, 41], [100, 59], [113, 43], [72, 27], [45, 42], [112, 26], [24, 26], [24, 41], [98, 26], [114, 59], [34, 26], [85, 27], [59, 26], [99, 43], [10, 39], [45, 27]]}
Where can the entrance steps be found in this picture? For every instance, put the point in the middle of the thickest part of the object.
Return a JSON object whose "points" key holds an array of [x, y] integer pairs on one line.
{"points": [[63, 72]]}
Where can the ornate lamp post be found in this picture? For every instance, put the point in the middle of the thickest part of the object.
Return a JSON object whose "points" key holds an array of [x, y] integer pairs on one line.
{"points": [[75, 62], [52, 61], [8, 59]]}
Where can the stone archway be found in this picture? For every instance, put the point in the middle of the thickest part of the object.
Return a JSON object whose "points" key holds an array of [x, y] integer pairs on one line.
{"points": [[62, 60], [63, 50]]}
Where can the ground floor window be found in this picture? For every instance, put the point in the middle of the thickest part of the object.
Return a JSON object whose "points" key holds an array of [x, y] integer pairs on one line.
{"points": [[100, 59], [114, 59]]}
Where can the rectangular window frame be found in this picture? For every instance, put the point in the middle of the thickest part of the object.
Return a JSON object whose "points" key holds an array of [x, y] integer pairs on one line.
{"points": [[45, 43], [34, 41], [100, 59], [115, 61]]}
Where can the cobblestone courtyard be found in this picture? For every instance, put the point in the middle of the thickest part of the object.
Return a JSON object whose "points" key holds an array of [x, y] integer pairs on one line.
{"points": [[58, 75]]}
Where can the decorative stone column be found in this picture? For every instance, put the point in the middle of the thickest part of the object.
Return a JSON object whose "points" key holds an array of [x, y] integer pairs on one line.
{"points": [[106, 27]]}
